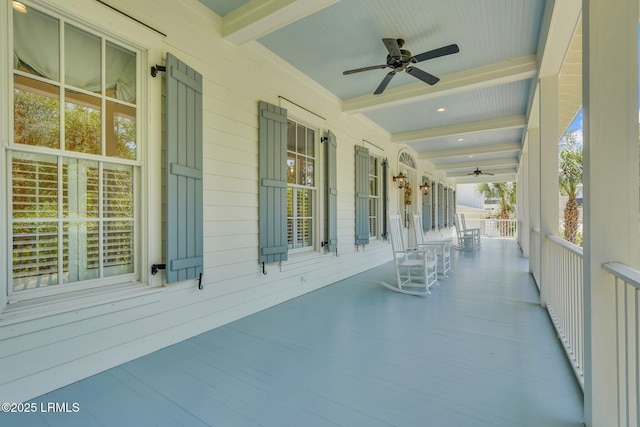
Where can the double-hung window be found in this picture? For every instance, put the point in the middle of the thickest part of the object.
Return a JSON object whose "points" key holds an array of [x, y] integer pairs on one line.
{"points": [[73, 159], [374, 196], [301, 185]]}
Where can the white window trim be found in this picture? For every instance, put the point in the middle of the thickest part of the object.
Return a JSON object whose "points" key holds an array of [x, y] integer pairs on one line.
{"points": [[141, 40], [311, 120], [378, 197]]}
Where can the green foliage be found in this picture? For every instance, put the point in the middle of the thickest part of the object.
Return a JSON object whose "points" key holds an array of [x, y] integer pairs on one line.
{"points": [[505, 192], [571, 165]]}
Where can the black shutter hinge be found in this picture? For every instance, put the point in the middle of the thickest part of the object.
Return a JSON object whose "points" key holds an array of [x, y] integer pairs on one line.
{"points": [[157, 68], [156, 267]]}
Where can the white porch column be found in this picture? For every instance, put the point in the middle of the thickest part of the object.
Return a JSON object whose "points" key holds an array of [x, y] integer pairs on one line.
{"points": [[610, 96], [549, 188], [522, 201], [533, 142]]}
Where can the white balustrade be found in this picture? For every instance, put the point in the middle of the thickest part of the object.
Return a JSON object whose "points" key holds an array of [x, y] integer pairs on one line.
{"points": [[626, 282]]}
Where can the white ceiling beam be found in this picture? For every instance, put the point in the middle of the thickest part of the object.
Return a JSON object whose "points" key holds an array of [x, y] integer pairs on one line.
{"points": [[511, 71], [472, 151], [501, 123], [260, 17]]}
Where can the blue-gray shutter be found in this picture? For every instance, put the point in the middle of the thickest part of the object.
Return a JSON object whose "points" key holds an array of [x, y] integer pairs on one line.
{"points": [[362, 195], [426, 208], [434, 190], [385, 197], [440, 206], [272, 197], [183, 244], [332, 192]]}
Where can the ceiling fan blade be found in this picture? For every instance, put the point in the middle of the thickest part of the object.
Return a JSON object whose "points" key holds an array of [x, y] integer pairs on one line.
{"points": [[384, 83], [423, 75], [436, 53], [393, 48], [358, 70]]}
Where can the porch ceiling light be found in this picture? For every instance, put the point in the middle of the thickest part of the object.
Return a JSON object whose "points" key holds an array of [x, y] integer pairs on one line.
{"points": [[400, 180], [19, 7], [425, 188]]}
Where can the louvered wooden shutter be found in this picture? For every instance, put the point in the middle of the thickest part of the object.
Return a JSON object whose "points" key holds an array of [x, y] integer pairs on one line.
{"points": [[272, 210], [183, 171], [362, 195], [426, 208], [440, 206], [332, 192]]}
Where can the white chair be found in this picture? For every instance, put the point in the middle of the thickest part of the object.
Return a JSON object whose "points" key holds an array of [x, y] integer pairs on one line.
{"points": [[442, 247], [416, 270], [466, 241], [475, 232]]}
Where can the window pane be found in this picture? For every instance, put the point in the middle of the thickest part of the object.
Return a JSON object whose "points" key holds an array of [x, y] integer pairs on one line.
{"points": [[82, 59], [82, 123], [36, 108], [373, 186], [291, 136], [304, 237], [121, 131], [118, 191], [118, 248], [289, 202], [35, 255], [291, 168], [81, 251], [304, 206], [34, 184], [311, 136], [290, 233], [79, 188], [36, 44], [300, 138], [120, 73], [306, 171]]}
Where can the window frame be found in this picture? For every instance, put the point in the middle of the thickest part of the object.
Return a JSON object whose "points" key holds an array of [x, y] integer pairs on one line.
{"points": [[139, 171], [315, 190], [377, 233]]}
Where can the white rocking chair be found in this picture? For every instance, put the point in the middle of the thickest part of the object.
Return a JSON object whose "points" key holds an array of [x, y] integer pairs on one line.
{"points": [[416, 270], [442, 247], [466, 241], [473, 231]]}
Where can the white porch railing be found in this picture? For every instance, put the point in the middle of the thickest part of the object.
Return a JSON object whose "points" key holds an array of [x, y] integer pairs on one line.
{"points": [[499, 228], [534, 255], [564, 299], [626, 282]]}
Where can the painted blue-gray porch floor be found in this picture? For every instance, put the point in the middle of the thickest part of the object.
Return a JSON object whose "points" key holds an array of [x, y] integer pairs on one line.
{"points": [[479, 351]]}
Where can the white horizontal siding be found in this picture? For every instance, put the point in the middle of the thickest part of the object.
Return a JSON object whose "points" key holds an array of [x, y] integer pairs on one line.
{"points": [[51, 347]]}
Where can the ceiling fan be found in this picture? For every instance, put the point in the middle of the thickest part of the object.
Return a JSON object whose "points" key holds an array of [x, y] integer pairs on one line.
{"points": [[400, 59], [478, 172]]}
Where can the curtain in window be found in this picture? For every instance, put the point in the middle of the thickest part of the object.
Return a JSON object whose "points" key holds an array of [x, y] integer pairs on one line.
{"points": [[36, 49]]}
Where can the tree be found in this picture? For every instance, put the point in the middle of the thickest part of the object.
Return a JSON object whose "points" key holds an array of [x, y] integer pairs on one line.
{"points": [[505, 193], [570, 180]]}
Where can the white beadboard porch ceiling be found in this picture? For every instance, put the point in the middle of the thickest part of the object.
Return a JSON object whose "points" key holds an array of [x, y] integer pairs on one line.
{"points": [[486, 89]]}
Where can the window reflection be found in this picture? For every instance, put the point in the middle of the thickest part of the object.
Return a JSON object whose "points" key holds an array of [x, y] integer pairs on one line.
{"points": [[82, 123]]}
